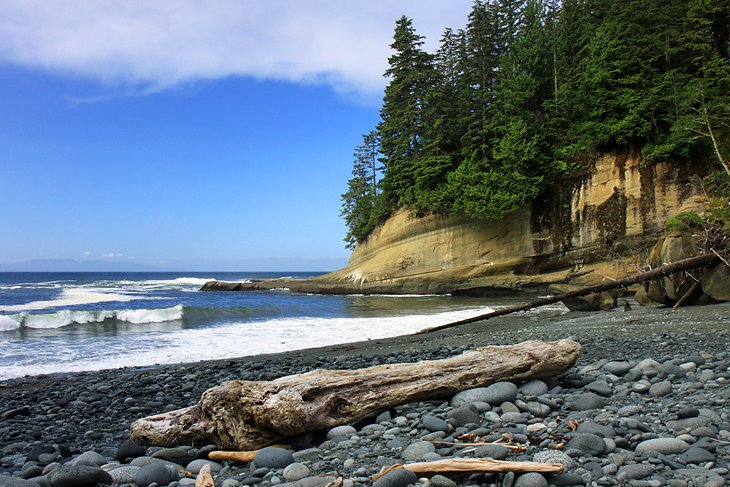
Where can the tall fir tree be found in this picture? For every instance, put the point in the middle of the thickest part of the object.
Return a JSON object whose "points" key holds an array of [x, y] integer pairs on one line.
{"points": [[411, 75]]}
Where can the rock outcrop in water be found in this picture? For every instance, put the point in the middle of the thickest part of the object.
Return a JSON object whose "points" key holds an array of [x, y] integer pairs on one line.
{"points": [[592, 226]]}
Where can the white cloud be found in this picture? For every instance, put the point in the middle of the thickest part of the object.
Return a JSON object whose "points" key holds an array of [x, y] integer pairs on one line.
{"points": [[157, 44]]}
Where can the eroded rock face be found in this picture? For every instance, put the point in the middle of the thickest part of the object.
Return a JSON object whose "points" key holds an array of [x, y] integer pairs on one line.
{"points": [[542, 244], [716, 283]]}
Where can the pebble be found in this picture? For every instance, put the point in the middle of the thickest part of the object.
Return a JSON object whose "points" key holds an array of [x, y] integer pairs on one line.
{"points": [[397, 478], [533, 388], [433, 424], [340, 431], [416, 451], [196, 465], [295, 471], [635, 471], [531, 479], [587, 443], [73, 475], [129, 449], [272, 457], [665, 446], [124, 475], [153, 473], [660, 389], [588, 400]]}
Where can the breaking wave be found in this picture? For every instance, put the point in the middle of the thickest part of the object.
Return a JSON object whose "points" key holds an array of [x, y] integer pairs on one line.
{"points": [[63, 318]]}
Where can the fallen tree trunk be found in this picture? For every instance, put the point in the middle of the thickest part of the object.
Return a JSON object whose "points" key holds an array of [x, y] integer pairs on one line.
{"points": [[661, 271], [246, 415]]}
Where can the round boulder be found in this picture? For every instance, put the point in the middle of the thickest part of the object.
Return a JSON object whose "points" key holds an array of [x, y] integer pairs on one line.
{"points": [[272, 457]]}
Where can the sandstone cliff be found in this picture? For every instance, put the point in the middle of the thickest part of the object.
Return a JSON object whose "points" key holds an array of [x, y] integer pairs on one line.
{"points": [[592, 226]]}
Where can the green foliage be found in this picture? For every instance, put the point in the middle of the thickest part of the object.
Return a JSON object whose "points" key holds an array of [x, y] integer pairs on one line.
{"points": [[532, 89], [685, 221]]}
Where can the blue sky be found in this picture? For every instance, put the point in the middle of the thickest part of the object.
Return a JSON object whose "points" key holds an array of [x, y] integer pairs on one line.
{"points": [[159, 133]]}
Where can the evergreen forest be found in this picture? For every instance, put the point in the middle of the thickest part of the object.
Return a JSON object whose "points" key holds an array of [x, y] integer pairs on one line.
{"points": [[531, 90]]}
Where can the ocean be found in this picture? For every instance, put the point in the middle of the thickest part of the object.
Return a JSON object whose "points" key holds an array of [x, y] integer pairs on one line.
{"points": [[68, 322]]}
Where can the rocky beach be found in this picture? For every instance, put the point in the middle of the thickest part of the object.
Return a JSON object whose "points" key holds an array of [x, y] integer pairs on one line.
{"points": [[646, 404]]}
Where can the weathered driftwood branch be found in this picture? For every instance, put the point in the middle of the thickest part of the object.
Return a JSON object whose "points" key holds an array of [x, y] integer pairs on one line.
{"points": [[238, 456], [663, 270], [474, 465], [245, 415]]}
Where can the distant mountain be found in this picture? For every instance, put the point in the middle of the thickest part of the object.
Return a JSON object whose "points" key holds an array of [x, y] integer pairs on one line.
{"points": [[71, 265]]}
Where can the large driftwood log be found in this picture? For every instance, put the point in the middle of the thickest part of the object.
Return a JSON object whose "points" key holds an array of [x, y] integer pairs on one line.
{"points": [[663, 270], [245, 415]]}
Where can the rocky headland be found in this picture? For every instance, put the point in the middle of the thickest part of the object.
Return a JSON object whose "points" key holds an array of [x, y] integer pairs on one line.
{"points": [[605, 224]]}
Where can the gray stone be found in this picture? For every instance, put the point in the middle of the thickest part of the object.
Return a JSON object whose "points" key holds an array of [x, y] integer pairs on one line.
{"points": [[696, 456], [586, 401], [587, 443], [665, 446], [650, 368], [196, 465], [441, 481], [478, 394], [415, 451], [72, 475], [272, 457], [635, 471], [308, 455], [716, 283], [124, 475], [617, 368], [154, 473], [129, 449], [90, 458], [531, 479], [142, 461], [641, 386], [689, 424], [660, 389], [230, 483], [339, 431], [397, 478], [554, 456], [295, 471], [176, 455], [498, 452], [596, 429], [462, 416], [432, 423], [534, 387], [600, 387], [567, 479], [500, 392], [688, 412], [311, 481], [538, 409]]}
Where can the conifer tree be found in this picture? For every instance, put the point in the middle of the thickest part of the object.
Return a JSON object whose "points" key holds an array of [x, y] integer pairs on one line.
{"points": [[402, 127], [358, 203]]}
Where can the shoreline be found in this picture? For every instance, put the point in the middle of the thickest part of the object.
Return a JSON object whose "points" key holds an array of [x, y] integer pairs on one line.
{"points": [[507, 329]]}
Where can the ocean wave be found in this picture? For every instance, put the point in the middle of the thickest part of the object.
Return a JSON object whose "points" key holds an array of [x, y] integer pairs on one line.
{"points": [[63, 318], [233, 339], [72, 297]]}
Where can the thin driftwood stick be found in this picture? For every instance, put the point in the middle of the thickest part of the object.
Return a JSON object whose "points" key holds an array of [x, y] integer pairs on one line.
{"points": [[238, 456], [662, 270], [686, 295], [464, 445], [474, 465], [205, 477], [246, 415]]}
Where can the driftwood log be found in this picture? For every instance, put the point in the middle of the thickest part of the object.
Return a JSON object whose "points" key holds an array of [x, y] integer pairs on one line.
{"points": [[246, 415], [451, 465], [661, 271]]}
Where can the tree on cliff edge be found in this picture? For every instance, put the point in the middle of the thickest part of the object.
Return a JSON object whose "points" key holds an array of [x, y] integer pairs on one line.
{"points": [[358, 203]]}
